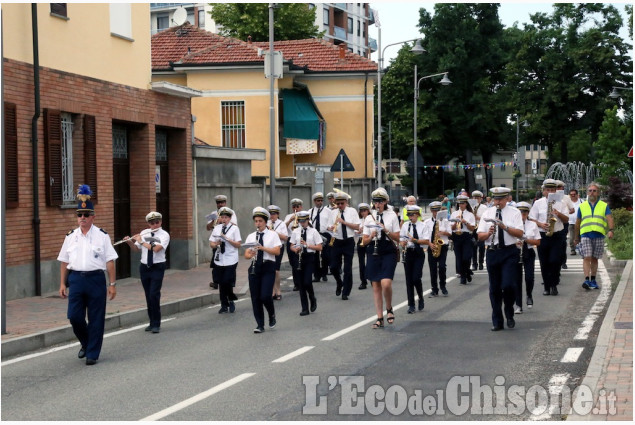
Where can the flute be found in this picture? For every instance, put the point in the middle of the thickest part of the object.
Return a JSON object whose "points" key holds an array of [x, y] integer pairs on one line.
{"points": [[142, 233]]}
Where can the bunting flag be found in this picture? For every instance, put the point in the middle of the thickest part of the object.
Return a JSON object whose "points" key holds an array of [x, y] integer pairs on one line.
{"points": [[452, 167]]}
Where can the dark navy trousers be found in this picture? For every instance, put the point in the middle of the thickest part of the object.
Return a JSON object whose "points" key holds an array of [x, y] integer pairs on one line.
{"points": [[413, 268], [87, 298], [502, 268], [152, 281], [261, 288]]}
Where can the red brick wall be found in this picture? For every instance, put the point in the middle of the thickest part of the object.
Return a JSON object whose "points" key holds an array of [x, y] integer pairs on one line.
{"points": [[140, 110]]}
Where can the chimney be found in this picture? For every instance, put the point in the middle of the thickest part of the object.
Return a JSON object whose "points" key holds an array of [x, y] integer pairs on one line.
{"points": [[248, 39], [342, 51]]}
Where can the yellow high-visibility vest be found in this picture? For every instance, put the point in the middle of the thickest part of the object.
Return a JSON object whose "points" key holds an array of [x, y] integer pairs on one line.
{"points": [[593, 220]]}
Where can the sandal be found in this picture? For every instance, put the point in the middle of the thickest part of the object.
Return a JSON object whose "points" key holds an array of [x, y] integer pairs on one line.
{"points": [[379, 323], [390, 319]]}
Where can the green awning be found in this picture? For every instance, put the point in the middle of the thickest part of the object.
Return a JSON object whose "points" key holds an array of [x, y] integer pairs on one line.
{"points": [[301, 118]]}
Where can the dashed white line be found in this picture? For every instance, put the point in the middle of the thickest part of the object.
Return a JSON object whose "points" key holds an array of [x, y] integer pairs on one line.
{"points": [[571, 355], [296, 353], [556, 385], [598, 306], [202, 396]]}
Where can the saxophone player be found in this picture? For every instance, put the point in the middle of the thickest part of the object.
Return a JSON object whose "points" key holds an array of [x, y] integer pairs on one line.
{"points": [[434, 229], [462, 237], [479, 246], [550, 249], [411, 239], [291, 221], [502, 255]]}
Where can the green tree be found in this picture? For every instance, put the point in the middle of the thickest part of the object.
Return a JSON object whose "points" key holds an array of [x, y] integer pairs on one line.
{"points": [[614, 141], [292, 21]]}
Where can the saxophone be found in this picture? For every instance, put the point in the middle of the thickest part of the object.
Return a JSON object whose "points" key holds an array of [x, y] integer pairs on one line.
{"points": [[552, 220], [437, 243]]}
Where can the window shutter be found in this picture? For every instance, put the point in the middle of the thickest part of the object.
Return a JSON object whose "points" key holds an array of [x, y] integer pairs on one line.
{"points": [[53, 156], [11, 155], [90, 155], [59, 9]]}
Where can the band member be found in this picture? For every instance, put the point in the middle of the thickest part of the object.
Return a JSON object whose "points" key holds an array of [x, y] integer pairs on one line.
{"points": [[291, 221], [364, 210], [500, 233], [330, 197], [226, 240], [462, 237], [152, 243], [343, 221], [86, 253], [412, 241], [381, 254], [221, 201], [279, 227], [306, 243], [566, 200], [479, 246], [436, 233], [531, 240], [319, 216], [262, 272], [549, 223]]}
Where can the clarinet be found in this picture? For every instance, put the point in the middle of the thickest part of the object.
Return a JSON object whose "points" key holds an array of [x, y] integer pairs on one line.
{"points": [[252, 267], [376, 239]]}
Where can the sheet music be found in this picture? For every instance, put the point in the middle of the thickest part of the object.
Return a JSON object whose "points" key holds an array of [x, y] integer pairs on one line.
{"points": [[211, 217], [554, 197], [442, 215]]}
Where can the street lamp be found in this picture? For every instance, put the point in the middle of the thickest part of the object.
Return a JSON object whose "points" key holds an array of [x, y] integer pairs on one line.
{"points": [[525, 124], [444, 81], [417, 50]]}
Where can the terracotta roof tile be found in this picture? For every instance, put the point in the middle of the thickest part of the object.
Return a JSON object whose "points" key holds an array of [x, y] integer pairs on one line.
{"points": [[192, 46]]}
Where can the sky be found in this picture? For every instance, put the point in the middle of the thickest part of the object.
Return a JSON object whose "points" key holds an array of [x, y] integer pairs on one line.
{"points": [[399, 20]]}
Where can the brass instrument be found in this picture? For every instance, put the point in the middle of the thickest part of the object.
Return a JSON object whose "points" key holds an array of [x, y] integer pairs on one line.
{"points": [[295, 222], [476, 216], [332, 241], [459, 228], [437, 243], [552, 220], [495, 234]]}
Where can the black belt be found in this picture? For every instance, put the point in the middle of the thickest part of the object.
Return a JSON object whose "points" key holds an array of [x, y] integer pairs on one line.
{"points": [[496, 247], [89, 273]]}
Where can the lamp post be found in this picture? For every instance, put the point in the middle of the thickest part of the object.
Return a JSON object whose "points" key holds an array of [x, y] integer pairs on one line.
{"points": [[517, 159], [444, 81], [417, 50], [272, 113]]}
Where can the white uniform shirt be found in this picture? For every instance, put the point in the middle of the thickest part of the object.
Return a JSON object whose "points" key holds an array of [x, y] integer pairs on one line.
{"points": [[270, 239], [233, 220], [230, 257], [391, 222], [566, 200], [89, 252], [539, 212], [444, 226], [531, 232], [350, 216], [278, 227], [478, 212], [164, 241], [467, 216], [573, 217], [324, 212], [511, 218], [407, 231], [313, 237]]}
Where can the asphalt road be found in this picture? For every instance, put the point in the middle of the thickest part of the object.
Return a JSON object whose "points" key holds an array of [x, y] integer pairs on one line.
{"points": [[206, 366]]}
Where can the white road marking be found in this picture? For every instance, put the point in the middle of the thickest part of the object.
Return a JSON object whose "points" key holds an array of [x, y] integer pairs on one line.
{"points": [[74, 344], [202, 396], [296, 353], [598, 306], [556, 384], [571, 355]]}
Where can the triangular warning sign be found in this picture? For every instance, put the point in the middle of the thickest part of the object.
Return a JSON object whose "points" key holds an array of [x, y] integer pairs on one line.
{"points": [[630, 153], [342, 163]]}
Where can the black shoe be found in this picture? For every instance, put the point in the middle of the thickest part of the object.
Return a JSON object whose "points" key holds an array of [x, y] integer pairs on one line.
{"points": [[304, 313], [530, 302], [156, 330], [149, 328], [82, 353], [546, 292], [511, 323], [411, 309], [345, 297], [554, 291], [363, 285], [469, 277], [324, 279], [338, 291], [444, 292], [259, 330], [90, 362], [496, 328], [564, 266], [463, 282], [473, 266], [222, 310], [313, 305], [316, 279], [213, 285], [480, 267], [420, 306], [433, 294], [295, 288], [272, 322], [232, 307]]}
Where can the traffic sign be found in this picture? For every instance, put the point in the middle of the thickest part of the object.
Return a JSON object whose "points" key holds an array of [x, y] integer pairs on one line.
{"points": [[342, 163], [630, 153]]}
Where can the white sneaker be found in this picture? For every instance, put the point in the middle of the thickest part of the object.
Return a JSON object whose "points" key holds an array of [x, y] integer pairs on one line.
{"points": [[518, 310]]}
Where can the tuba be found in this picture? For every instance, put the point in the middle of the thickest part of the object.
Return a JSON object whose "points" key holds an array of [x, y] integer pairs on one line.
{"points": [[552, 220], [437, 243]]}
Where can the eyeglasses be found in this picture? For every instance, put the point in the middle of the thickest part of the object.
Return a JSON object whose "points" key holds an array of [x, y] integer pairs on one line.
{"points": [[340, 203], [409, 214], [84, 215], [592, 190]]}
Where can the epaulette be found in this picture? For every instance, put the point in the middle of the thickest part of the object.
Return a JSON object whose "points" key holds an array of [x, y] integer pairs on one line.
{"points": [[102, 230], [70, 231]]}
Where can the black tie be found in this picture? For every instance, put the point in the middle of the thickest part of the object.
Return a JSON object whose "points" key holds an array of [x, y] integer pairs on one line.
{"points": [[381, 220], [317, 220], [434, 230], [414, 232], [222, 243], [501, 236], [150, 253], [344, 234], [260, 251]]}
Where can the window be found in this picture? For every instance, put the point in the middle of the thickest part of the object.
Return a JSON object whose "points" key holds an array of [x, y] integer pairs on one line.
{"points": [[68, 190], [11, 155], [350, 25], [201, 19], [190, 16], [359, 28], [59, 9], [233, 124], [326, 17], [163, 22], [121, 20]]}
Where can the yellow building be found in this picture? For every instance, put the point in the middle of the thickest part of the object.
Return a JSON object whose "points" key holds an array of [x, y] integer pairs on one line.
{"points": [[323, 102]]}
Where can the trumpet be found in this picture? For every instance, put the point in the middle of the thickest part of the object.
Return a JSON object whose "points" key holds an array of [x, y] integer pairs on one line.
{"points": [[295, 222], [459, 225], [332, 241], [142, 233]]}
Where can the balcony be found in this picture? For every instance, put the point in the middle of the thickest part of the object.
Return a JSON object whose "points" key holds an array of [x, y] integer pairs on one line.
{"points": [[340, 33]]}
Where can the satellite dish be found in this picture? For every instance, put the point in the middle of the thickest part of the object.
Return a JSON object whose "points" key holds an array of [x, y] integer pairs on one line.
{"points": [[180, 16]]}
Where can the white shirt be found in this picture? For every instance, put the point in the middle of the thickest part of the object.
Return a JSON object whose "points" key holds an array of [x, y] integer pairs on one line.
{"points": [[313, 237], [407, 231], [573, 217], [566, 200], [292, 223], [391, 222], [478, 212], [233, 220], [444, 226], [278, 227], [531, 232], [270, 239], [350, 216], [324, 212], [230, 257], [512, 218], [164, 241], [87, 252], [467, 216], [539, 212]]}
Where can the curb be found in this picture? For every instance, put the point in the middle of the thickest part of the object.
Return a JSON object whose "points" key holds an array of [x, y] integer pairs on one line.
{"points": [[596, 365], [614, 262]]}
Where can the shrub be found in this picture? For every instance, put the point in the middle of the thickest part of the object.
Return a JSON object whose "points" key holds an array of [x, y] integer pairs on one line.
{"points": [[622, 217], [619, 194], [622, 243]]}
